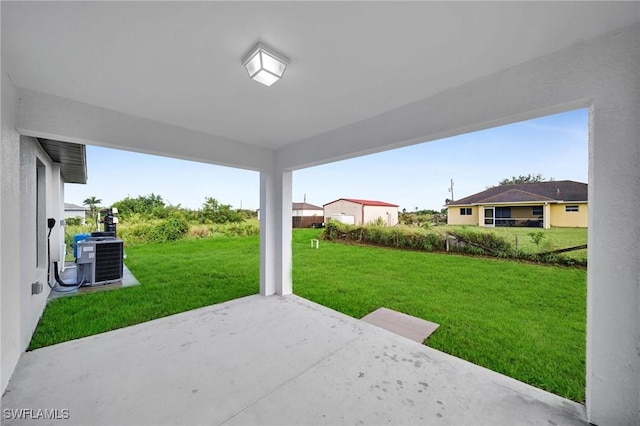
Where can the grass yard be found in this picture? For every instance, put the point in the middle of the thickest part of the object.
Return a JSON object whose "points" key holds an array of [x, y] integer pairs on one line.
{"points": [[526, 321], [174, 277]]}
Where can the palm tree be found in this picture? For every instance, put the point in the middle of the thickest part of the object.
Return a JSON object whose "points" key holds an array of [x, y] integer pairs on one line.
{"points": [[92, 202]]}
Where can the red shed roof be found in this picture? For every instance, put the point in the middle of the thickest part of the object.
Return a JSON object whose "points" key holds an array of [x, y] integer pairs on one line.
{"points": [[366, 202]]}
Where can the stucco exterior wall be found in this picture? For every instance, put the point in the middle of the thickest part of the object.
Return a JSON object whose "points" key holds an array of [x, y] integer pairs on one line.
{"points": [[561, 218], [27, 198], [33, 232], [387, 214], [10, 241], [455, 218], [342, 206]]}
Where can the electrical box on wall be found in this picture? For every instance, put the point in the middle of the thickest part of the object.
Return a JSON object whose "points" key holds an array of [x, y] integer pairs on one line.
{"points": [[36, 288]]}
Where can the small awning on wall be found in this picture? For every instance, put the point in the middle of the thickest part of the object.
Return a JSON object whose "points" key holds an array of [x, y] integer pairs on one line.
{"points": [[71, 156]]}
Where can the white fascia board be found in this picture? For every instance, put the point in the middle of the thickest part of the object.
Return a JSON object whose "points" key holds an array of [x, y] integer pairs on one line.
{"points": [[47, 116], [517, 203]]}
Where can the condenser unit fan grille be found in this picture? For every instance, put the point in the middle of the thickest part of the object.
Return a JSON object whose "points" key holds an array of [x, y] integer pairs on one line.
{"points": [[108, 261]]}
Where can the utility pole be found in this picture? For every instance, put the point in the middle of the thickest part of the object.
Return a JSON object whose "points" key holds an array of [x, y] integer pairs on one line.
{"points": [[451, 190]]}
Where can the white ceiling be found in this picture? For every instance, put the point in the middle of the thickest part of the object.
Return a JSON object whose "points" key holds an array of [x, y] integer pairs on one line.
{"points": [[180, 62]]}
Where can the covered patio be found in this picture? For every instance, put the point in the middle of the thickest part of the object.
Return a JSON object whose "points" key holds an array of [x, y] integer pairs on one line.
{"points": [[167, 78], [279, 360]]}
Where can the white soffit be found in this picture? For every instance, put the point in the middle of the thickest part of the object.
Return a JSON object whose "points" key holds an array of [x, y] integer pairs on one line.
{"points": [[72, 158], [180, 62]]}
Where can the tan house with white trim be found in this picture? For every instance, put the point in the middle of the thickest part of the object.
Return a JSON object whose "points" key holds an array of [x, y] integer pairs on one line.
{"points": [[541, 205]]}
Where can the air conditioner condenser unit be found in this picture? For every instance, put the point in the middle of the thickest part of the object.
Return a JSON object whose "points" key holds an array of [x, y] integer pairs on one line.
{"points": [[100, 260]]}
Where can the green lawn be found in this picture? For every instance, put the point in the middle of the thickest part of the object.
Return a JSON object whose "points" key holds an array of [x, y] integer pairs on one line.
{"points": [[526, 321], [175, 277]]}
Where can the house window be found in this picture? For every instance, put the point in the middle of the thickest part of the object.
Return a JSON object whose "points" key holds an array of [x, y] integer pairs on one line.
{"points": [[465, 211], [569, 209], [536, 211], [503, 212]]}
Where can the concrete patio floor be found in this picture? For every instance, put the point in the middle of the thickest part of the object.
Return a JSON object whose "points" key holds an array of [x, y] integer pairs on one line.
{"points": [[269, 360]]}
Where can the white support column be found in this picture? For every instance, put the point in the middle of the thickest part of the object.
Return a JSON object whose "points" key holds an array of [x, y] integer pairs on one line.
{"points": [[283, 242], [267, 234], [613, 292], [546, 216], [275, 232]]}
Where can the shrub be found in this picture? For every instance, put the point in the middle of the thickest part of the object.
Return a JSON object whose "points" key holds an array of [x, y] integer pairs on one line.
{"points": [[241, 229], [378, 221], [172, 228], [484, 242], [408, 238], [68, 242], [140, 233], [214, 212], [536, 237], [71, 230], [469, 240], [199, 231], [433, 242], [73, 221]]}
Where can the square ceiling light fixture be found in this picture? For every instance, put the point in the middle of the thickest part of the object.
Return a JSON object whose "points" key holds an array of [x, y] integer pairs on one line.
{"points": [[264, 64]]}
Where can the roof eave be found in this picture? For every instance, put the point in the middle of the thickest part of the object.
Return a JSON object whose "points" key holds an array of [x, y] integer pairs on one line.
{"points": [[72, 158], [517, 202]]}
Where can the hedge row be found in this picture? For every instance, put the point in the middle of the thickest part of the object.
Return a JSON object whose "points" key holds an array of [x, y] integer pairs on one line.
{"points": [[465, 240], [173, 228]]}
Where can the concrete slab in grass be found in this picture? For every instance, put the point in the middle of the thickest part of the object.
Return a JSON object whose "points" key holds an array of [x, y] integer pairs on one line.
{"points": [[70, 275], [401, 324]]}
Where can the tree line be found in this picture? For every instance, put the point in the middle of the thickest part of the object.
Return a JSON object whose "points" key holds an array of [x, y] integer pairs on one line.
{"points": [[152, 206]]}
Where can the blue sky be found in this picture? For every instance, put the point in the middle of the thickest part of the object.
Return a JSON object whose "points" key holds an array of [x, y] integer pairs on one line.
{"points": [[417, 176]]}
